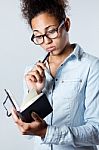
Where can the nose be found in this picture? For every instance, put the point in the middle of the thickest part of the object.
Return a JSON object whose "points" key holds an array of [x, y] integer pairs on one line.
{"points": [[47, 40]]}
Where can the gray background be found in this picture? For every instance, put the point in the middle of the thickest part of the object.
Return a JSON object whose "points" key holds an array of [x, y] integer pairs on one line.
{"points": [[16, 51]]}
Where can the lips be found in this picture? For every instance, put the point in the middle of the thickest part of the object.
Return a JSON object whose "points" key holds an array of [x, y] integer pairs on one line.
{"points": [[49, 49]]}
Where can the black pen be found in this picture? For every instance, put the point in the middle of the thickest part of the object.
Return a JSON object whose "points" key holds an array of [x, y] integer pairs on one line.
{"points": [[46, 57]]}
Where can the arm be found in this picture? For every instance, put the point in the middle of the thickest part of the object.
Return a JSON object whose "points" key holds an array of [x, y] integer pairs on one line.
{"points": [[87, 134], [35, 79]]}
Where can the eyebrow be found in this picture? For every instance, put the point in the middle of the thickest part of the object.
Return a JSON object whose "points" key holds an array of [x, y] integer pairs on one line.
{"points": [[45, 28]]}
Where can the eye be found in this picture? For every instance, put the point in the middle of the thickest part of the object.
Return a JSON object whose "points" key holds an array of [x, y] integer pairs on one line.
{"points": [[51, 31], [38, 37]]}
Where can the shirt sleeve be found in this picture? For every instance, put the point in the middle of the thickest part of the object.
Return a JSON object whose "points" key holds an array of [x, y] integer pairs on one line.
{"points": [[25, 88], [87, 134]]}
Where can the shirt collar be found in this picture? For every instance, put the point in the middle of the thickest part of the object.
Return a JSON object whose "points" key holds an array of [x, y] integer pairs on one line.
{"points": [[78, 52]]}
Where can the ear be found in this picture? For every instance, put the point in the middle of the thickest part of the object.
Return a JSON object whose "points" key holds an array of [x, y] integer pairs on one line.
{"points": [[67, 24]]}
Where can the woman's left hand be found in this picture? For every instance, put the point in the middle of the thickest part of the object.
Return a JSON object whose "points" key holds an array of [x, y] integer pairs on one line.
{"points": [[37, 127]]}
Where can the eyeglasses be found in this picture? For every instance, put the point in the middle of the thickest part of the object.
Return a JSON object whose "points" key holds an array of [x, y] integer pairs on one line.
{"points": [[51, 34]]}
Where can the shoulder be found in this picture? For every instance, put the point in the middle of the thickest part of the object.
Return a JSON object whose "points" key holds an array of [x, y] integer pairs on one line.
{"points": [[87, 58], [90, 59], [91, 64]]}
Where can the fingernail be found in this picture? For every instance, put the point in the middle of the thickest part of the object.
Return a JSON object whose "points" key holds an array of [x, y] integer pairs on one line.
{"points": [[34, 115]]}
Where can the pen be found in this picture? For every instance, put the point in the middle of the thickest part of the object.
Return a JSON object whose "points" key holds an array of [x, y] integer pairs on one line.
{"points": [[46, 57]]}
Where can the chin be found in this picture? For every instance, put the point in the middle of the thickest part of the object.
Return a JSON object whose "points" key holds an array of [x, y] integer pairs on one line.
{"points": [[55, 53]]}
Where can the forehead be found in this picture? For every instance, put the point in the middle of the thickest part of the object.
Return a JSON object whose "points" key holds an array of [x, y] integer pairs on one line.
{"points": [[43, 20]]}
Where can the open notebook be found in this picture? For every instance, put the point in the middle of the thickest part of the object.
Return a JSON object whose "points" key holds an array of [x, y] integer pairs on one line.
{"points": [[33, 102]]}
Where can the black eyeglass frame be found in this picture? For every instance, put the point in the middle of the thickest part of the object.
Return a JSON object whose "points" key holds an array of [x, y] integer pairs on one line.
{"points": [[57, 29]]}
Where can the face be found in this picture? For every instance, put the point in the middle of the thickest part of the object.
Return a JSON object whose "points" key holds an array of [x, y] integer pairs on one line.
{"points": [[45, 23]]}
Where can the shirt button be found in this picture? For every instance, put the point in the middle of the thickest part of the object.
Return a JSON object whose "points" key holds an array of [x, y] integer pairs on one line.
{"points": [[49, 92], [80, 80], [56, 79]]}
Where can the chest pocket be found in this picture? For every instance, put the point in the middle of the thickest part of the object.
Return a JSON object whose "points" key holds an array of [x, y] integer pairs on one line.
{"points": [[68, 88]]}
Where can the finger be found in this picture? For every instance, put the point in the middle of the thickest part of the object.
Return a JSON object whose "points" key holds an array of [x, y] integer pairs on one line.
{"points": [[30, 77], [32, 74], [16, 118], [36, 117], [40, 70], [14, 114], [42, 65], [37, 75]]}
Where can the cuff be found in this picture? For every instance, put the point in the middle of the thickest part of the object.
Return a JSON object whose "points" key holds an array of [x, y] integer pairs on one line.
{"points": [[50, 135]]}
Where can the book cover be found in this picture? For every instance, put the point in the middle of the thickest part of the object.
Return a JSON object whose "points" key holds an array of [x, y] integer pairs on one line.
{"points": [[33, 102]]}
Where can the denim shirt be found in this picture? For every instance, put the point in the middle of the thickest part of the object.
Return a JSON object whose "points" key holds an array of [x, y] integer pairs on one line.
{"points": [[74, 96]]}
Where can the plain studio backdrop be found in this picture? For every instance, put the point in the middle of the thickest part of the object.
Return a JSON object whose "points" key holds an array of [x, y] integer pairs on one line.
{"points": [[17, 51]]}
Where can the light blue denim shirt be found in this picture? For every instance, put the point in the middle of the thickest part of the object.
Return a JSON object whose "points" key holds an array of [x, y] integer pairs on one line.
{"points": [[74, 96]]}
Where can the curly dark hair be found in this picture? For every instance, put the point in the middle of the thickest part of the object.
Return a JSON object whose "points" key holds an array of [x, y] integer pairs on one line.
{"points": [[31, 8]]}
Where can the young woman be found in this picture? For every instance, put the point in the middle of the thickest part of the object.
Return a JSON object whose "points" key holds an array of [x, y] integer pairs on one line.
{"points": [[70, 79]]}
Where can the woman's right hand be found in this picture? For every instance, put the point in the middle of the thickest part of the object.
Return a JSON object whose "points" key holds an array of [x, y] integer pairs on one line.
{"points": [[35, 79]]}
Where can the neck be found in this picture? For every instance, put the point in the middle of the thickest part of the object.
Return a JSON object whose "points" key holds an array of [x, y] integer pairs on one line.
{"points": [[68, 49]]}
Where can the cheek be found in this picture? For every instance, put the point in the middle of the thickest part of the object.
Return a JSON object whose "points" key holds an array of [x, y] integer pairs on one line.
{"points": [[61, 42], [65, 38], [43, 46]]}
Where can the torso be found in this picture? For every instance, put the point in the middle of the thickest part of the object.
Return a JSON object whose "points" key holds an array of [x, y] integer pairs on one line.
{"points": [[53, 68]]}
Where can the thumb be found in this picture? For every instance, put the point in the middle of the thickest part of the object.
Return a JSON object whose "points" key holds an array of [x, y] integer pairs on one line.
{"points": [[36, 117]]}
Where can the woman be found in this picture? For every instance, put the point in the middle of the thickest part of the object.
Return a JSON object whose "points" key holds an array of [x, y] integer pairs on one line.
{"points": [[70, 79]]}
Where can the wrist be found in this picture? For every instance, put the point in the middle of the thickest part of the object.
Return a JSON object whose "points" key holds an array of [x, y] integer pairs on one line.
{"points": [[44, 132], [39, 91]]}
